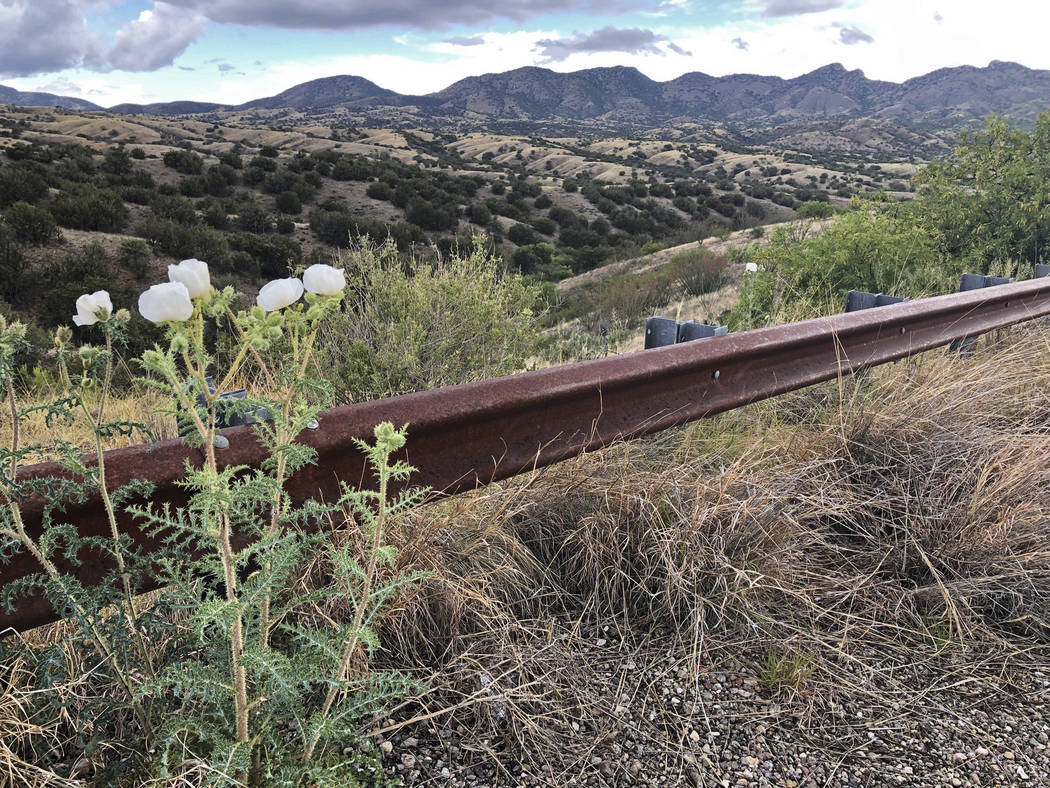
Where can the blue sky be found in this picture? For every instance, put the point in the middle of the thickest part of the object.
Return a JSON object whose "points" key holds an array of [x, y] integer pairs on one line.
{"points": [[113, 51]]}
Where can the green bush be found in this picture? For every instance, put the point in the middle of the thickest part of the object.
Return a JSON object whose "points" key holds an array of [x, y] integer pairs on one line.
{"points": [[87, 207], [289, 202], [30, 224], [876, 248], [21, 183], [14, 270], [184, 161], [418, 326], [135, 256]]}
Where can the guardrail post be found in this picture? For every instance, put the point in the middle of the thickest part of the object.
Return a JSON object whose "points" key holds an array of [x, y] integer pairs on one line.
{"points": [[967, 345], [858, 299], [663, 331], [688, 331], [660, 332]]}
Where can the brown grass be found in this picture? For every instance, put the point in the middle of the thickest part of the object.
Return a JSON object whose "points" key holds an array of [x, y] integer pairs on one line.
{"points": [[879, 540]]}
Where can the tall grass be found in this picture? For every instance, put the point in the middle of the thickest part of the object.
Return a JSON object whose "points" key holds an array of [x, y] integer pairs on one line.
{"points": [[875, 540]]}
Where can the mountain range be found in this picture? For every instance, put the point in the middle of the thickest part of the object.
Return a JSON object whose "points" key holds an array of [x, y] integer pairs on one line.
{"points": [[20, 99], [624, 95]]}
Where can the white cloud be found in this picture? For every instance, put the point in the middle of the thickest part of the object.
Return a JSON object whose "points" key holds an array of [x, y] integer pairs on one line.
{"points": [[155, 39]]}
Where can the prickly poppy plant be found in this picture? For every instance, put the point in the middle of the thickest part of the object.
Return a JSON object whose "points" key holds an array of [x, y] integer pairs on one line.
{"points": [[230, 674]]}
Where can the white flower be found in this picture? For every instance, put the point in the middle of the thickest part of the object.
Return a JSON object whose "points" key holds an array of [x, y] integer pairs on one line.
{"points": [[324, 280], [279, 293], [166, 302], [751, 268], [194, 274], [90, 306]]}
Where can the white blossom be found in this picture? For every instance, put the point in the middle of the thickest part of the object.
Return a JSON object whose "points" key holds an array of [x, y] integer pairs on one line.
{"points": [[194, 274], [166, 302], [90, 306], [279, 293], [751, 268], [324, 280]]}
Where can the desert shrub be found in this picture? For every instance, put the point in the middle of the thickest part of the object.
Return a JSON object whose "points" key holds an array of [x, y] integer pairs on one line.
{"points": [[814, 210], [184, 161], [289, 202], [252, 218], [379, 191], [116, 161], [14, 269], [432, 217], [542, 202], [31, 225], [544, 225], [276, 255], [192, 186], [21, 183], [521, 235], [698, 271], [135, 256], [418, 326], [87, 207], [263, 163], [177, 209]]}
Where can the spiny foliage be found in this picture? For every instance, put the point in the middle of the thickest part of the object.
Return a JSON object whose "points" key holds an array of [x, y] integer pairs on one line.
{"points": [[228, 676]]}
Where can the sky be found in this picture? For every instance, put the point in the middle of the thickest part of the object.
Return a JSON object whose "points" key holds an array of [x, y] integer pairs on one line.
{"points": [[231, 51]]}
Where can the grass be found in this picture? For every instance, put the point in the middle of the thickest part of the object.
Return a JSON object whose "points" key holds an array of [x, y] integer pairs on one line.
{"points": [[872, 542]]}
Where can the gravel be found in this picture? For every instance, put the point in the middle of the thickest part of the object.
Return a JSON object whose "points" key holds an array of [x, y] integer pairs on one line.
{"points": [[629, 713]]}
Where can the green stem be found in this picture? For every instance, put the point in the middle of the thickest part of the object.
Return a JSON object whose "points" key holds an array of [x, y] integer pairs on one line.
{"points": [[362, 605]]}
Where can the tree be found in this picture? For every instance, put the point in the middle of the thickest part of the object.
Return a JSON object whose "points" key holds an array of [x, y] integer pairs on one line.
{"points": [[31, 225], [991, 201]]}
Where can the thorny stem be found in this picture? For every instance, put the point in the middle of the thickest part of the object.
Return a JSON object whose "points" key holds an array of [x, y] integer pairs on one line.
{"points": [[285, 434], [20, 535], [362, 605]]}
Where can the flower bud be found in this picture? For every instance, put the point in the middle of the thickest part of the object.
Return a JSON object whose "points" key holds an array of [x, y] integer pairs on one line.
{"points": [[92, 307], [279, 293], [166, 302], [194, 274], [324, 280]]}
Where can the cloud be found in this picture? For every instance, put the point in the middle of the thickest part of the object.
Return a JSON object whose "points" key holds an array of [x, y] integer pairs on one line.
{"points": [[465, 41], [418, 14], [741, 44], [796, 7], [155, 39], [41, 37], [854, 35], [634, 41], [226, 67]]}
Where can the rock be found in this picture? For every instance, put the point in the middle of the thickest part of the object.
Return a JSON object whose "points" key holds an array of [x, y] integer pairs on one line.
{"points": [[386, 748]]}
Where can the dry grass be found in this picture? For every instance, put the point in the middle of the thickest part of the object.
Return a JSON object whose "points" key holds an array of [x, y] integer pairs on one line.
{"points": [[877, 541]]}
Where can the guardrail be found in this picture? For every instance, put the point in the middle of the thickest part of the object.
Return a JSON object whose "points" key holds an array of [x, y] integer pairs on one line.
{"points": [[466, 436]]}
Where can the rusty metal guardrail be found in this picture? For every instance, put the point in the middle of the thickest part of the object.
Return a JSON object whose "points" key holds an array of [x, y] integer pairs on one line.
{"points": [[465, 436]]}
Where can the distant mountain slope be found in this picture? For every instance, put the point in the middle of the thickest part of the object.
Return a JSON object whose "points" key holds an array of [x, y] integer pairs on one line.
{"points": [[167, 108], [345, 91], [624, 94], [21, 99]]}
